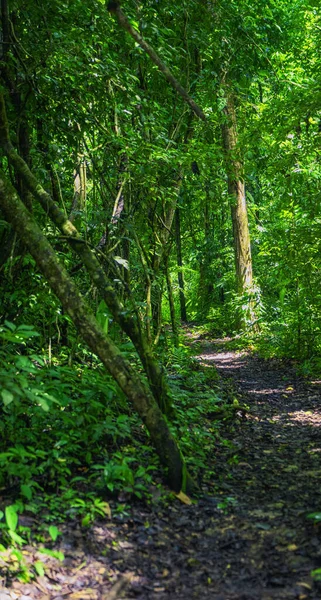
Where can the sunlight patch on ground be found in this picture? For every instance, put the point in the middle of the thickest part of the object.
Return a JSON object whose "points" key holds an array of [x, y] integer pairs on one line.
{"points": [[302, 417], [306, 417], [266, 391], [222, 360]]}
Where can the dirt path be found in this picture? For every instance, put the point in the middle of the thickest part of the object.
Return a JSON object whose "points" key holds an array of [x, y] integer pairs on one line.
{"points": [[250, 541], [274, 473]]}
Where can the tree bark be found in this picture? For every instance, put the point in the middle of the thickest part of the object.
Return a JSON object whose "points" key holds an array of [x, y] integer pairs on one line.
{"points": [[135, 389], [236, 190], [160, 257], [5, 29], [43, 148], [180, 274], [80, 192], [171, 304], [205, 281]]}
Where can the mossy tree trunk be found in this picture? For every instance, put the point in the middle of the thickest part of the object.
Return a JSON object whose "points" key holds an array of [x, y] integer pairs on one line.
{"points": [[135, 389], [180, 275], [236, 190], [161, 256], [129, 322], [171, 304]]}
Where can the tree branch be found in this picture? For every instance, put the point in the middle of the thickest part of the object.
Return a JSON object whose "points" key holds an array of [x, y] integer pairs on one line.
{"points": [[123, 21]]}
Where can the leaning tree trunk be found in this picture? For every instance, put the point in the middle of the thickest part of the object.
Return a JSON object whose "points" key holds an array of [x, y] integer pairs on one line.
{"points": [[135, 389], [126, 321], [236, 190]]}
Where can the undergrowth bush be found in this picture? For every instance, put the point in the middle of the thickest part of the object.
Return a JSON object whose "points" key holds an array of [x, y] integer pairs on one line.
{"points": [[70, 442]]}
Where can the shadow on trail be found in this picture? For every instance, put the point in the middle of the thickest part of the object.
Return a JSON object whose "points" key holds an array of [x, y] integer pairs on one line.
{"points": [[281, 438], [273, 471]]}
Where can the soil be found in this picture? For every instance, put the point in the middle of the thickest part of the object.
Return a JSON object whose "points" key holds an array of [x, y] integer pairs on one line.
{"points": [[247, 538]]}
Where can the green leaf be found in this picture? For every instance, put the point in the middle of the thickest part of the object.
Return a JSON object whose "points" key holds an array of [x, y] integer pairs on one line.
{"points": [[43, 403], [26, 491], [53, 532], [16, 538], [102, 308], [121, 261], [103, 321], [7, 397], [11, 517], [316, 574], [53, 553], [39, 568], [85, 521], [316, 516]]}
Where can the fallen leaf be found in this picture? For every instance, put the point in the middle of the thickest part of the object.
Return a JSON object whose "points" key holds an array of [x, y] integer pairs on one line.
{"points": [[303, 584], [81, 566], [183, 498], [88, 594], [114, 592]]}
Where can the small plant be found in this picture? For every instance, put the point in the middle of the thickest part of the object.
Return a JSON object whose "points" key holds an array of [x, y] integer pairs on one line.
{"points": [[15, 564], [227, 503], [90, 508], [10, 526], [315, 516], [316, 574], [118, 475]]}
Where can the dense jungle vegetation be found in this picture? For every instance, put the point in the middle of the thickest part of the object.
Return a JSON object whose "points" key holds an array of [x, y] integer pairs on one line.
{"points": [[160, 167]]}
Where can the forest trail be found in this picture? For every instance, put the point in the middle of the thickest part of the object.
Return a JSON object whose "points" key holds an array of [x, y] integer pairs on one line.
{"points": [[251, 540]]}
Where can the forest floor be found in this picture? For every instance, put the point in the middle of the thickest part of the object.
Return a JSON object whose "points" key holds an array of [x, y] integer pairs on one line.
{"points": [[250, 541]]}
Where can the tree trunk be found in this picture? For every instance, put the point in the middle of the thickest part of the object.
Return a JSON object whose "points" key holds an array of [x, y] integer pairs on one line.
{"points": [[160, 258], [236, 190], [206, 281], [123, 21], [135, 389], [80, 192], [24, 149], [180, 274], [171, 304], [43, 148], [156, 305], [128, 322]]}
